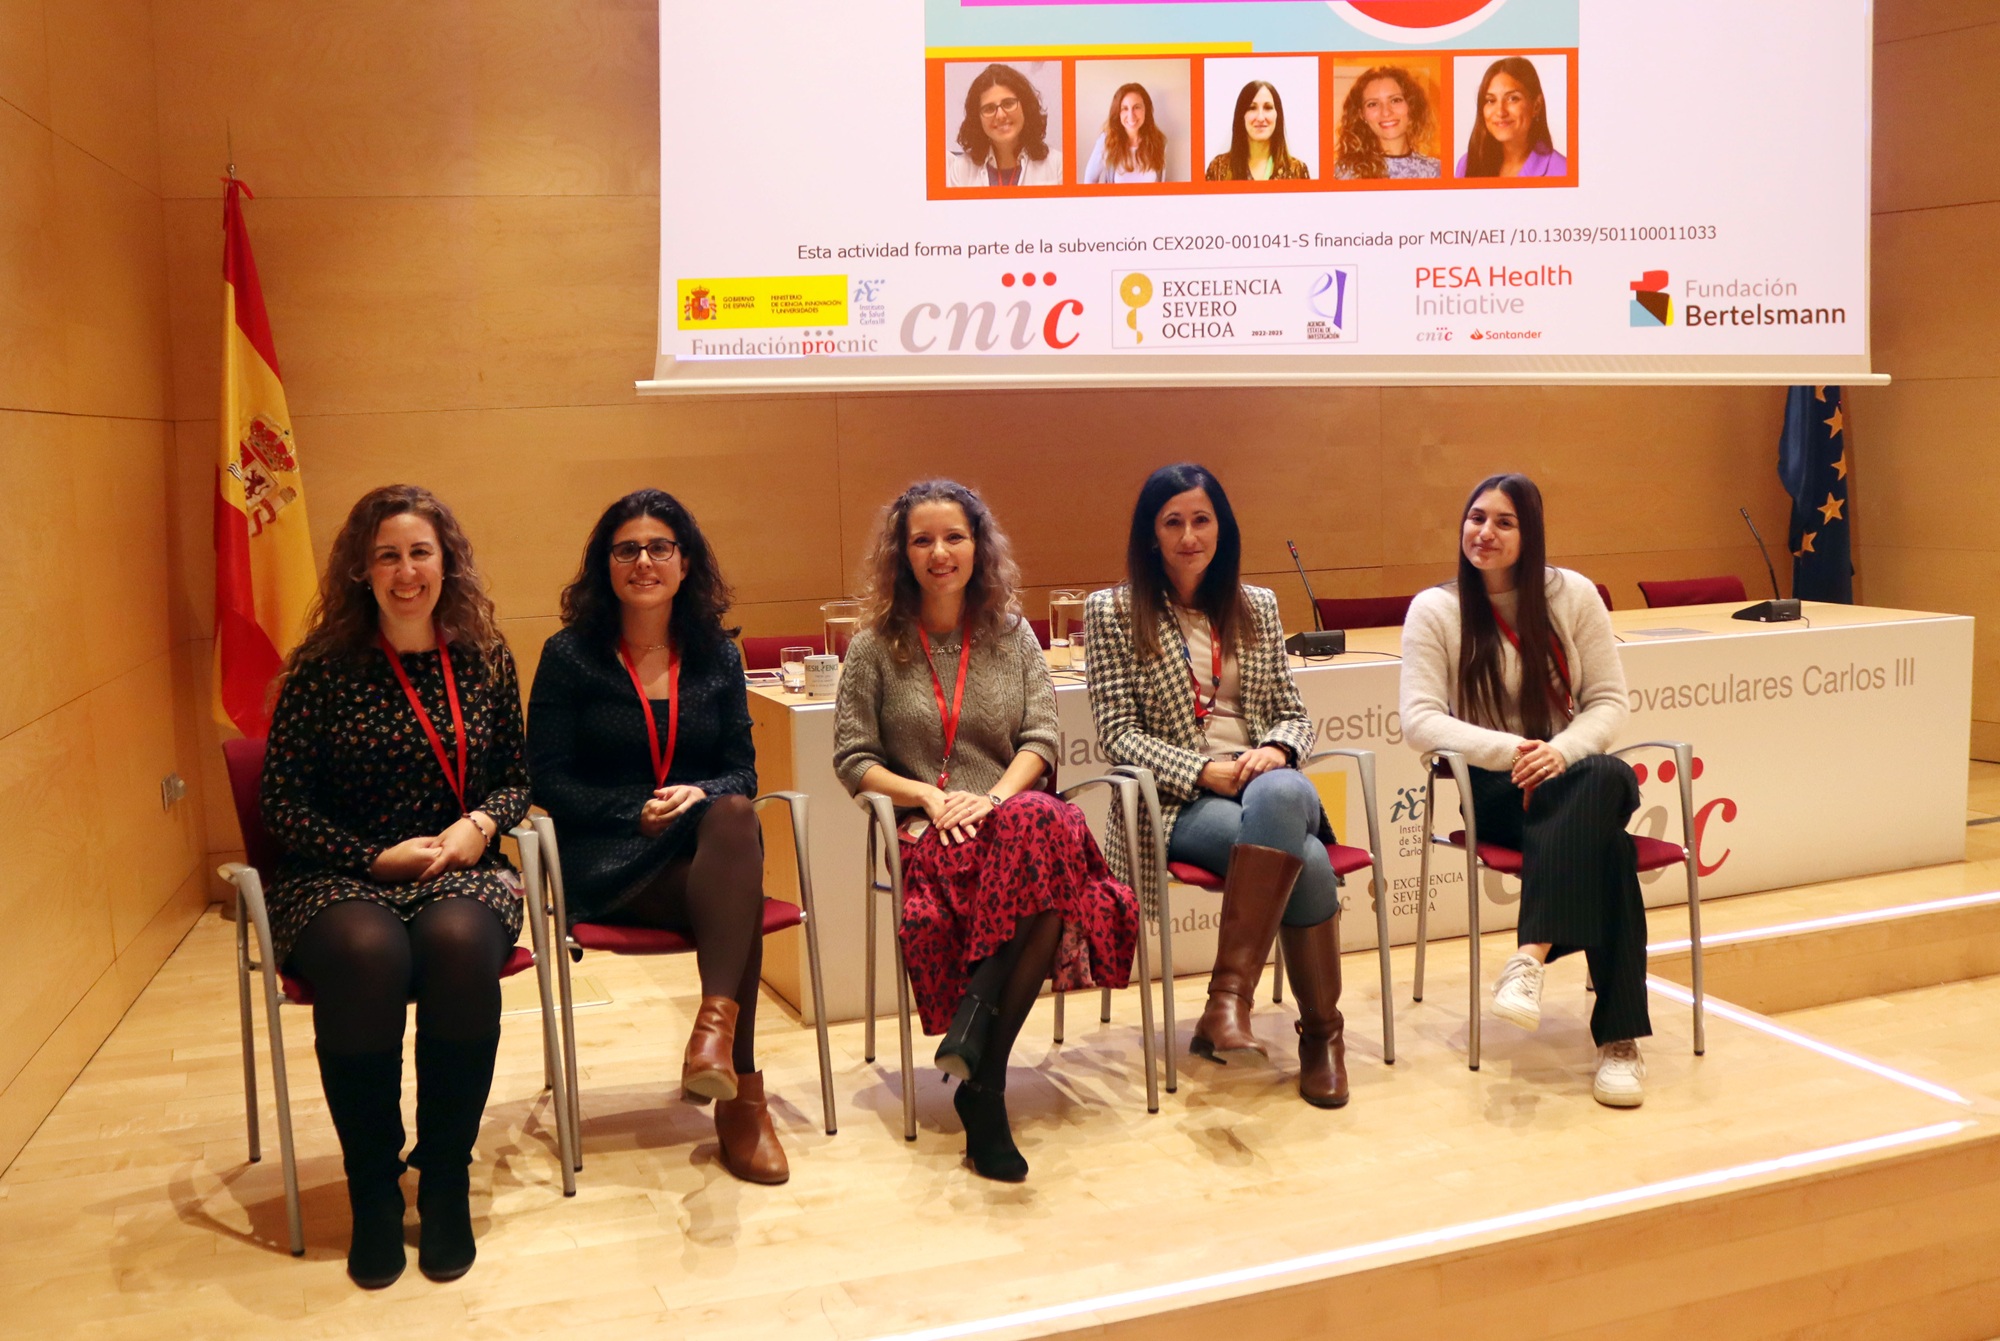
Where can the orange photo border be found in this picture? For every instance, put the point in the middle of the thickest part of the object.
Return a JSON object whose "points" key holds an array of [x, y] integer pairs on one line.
{"points": [[936, 114]]}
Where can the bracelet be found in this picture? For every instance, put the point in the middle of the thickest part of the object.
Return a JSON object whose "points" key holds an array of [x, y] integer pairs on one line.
{"points": [[485, 838], [997, 803]]}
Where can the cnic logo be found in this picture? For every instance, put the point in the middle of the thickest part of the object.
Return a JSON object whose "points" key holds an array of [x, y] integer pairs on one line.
{"points": [[1652, 305]]}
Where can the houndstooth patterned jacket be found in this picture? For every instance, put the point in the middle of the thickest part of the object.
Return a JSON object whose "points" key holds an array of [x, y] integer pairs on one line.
{"points": [[1145, 712]]}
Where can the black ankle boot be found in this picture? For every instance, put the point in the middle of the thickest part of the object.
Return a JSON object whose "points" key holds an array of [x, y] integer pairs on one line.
{"points": [[364, 1093], [989, 1140], [964, 1042], [453, 1079]]}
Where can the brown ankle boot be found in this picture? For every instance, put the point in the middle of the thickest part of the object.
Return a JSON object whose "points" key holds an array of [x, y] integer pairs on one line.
{"points": [[749, 1142], [707, 1072], [1312, 962], [1259, 881]]}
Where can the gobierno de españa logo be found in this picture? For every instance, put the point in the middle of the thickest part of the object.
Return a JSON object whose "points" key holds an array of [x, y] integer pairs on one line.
{"points": [[1652, 305]]}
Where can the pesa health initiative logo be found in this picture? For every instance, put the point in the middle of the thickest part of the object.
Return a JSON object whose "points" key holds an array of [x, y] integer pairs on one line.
{"points": [[1652, 305]]}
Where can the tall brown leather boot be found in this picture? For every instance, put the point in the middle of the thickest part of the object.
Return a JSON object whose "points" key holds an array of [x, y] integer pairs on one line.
{"points": [[1312, 962], [707, 1072], [1259, 881], [743, 1130]]}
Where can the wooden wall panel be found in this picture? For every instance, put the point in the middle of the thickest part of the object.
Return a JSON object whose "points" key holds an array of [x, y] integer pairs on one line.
{"points": [[1937, 285], [1923, 84], [113, 289], [31, 314], [102, 96], [147, 850], [24, 57], [120, 492], [41, 646]]}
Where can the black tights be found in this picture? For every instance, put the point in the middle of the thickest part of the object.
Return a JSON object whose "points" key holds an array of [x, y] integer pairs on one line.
{"points": [[365, 963], [1019, 967], [716, 897]]}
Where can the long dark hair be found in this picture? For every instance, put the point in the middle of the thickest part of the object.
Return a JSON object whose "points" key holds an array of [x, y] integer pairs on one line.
{"points": [[1360, 152], [1034, 116], [894, 601], [1482, 151], [1219, 595], [1152, 140], [591, 606], [1481, 694], [344, 617], [1239, 138]]}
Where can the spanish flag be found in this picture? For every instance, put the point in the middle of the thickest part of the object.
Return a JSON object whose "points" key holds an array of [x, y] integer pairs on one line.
{"points": [[264, 575]]}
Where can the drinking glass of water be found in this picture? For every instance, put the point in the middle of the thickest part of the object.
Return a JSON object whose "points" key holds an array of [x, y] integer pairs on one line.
{"points": [[792, 668]]}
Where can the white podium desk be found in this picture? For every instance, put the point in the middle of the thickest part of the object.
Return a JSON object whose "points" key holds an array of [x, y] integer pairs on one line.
{"points": [[1826, 748]]}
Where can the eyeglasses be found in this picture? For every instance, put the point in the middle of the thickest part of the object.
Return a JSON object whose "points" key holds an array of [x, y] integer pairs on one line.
{"points": [[1004, 108], [658, 550]]}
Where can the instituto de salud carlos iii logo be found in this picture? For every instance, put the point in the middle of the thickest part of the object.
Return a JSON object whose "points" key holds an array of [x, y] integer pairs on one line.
{"points": [[700, 306], [1652, 305]]}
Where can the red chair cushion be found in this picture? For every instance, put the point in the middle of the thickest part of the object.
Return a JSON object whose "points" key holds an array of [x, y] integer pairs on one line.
{"points": [[1344, 860], [1363, 612], [763, 653], [1693, 591], [1654, 854], [619, 940], [300, 992], [244, 759], [1194, 875]]}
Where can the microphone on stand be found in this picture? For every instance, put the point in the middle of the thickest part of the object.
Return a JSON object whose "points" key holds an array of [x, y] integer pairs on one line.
{"points": [[1322, 642], [1779, 608]]}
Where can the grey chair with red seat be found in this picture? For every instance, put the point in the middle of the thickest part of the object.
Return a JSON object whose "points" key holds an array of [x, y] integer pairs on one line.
{"points": [[1655, 854], [884, 875], [245, 761], [1345, 861], [763, 653], [1363, 612], [611, 938], [1693, 591]]}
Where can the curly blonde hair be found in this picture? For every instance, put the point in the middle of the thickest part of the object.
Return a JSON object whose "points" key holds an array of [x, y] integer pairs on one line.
{"points": [[344, 617], [1360, 152], [893, 598]]}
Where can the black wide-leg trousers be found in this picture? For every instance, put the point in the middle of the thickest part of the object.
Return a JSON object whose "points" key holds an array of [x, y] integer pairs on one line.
{"points": [[1579, 878]]}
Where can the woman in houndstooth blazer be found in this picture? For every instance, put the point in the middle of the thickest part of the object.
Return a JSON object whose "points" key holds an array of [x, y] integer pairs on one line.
{"points": [[1188, 677]]}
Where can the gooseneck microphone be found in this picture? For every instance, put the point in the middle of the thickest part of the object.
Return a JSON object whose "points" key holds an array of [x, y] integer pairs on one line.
{"points": [[1322, 642], [1779, 608]]}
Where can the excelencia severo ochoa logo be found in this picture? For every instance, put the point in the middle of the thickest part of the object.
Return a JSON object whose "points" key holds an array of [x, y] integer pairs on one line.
{"points": [[1652, 305]]}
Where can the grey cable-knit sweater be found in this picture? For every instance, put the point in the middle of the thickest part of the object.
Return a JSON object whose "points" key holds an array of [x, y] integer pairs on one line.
{"points": [[1431, 710], [887, 713]]}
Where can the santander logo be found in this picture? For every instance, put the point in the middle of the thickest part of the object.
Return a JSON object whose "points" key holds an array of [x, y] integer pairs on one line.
{"points": [[1415, 20]]}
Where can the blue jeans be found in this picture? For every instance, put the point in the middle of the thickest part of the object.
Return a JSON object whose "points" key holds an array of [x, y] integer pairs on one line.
{"points": [[1278, 809]]}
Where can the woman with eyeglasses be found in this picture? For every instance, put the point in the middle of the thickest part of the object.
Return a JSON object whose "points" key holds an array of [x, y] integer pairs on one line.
{"points": [[1188, 677], [1514, 666], [639, 740], [1003, 139], [393, 766]]}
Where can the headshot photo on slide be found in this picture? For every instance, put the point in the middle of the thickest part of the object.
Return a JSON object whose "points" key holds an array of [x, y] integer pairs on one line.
{"points": [[1134, 121], [1003, 123], [1261, 117], [1511, 115], [1389, 119]]}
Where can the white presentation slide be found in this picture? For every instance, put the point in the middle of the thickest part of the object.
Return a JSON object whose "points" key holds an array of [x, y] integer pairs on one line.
{"points": [[978, 193]]}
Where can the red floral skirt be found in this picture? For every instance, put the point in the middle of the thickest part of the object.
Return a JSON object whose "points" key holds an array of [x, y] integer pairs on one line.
{"points": [[961, 903]]}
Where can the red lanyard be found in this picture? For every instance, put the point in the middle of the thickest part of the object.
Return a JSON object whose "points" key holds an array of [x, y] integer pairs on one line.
{"points": [[1202, 710], [948, 716], [457, 780], [1555, 651], [662, 763]]}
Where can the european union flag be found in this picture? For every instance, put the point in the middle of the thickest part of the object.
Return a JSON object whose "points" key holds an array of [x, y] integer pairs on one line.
{"points": [[1812, 462]]}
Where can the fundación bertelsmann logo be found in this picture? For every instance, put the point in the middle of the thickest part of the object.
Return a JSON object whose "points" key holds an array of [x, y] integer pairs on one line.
{"points": [[1279, 305], [1652, 305]]}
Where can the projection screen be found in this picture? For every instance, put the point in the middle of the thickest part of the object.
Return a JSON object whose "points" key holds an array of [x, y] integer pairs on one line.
{"points": [[994, 193]]}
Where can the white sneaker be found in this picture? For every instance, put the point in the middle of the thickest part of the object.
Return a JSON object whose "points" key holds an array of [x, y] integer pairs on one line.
{"points": [[1517, 997], [1621, 1073]]}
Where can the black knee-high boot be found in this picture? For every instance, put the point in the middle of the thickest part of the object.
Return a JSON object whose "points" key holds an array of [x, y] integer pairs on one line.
{"points": [[364, 1093], [453, 1079]]}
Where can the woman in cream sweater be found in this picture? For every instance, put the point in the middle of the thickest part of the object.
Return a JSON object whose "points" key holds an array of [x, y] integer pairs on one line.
{"points": [[1515, 667]]}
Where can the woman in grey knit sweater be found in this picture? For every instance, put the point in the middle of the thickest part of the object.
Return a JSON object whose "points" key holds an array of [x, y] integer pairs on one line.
{"points": [[947, 709], [1514, 666]]}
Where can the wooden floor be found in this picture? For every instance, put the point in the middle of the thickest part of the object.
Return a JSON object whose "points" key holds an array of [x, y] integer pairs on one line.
{"points": [[133, 1212]]}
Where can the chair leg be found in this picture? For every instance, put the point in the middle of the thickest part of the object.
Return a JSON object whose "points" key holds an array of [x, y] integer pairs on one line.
{"points": [[282, 1091], [908, 1057], [1146, 1018], [559, 947], [1059, 1017], [1166, 925], [1424, 891], [1381, 886], [1472, 938], [819, 1024], [1694, 957], [244, 1015], [868, 954], [1104, 1008]]}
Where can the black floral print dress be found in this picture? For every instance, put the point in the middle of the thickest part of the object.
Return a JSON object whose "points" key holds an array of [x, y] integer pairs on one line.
{"points": [[349, 773]]}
